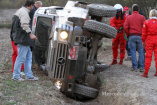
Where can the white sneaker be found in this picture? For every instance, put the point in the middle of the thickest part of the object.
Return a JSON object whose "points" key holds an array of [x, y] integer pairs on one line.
{"points": [[43, 66], [22, 73], [33, 78], [18, 79]]}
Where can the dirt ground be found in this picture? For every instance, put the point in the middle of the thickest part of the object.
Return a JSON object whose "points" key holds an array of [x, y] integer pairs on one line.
{"points": [[120, 85], [6, 15]]}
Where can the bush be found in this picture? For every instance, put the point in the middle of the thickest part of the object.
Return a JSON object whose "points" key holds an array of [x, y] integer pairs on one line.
{"points": [[5, 25]]}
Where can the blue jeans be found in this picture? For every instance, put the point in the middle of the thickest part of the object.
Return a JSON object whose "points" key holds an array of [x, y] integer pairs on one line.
{"points": [[135, 42], [24, 56], [128, 49]]}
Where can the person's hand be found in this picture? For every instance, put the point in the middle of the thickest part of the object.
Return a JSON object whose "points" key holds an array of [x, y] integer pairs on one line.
{"points": [[121, 28], [33, 37], [119, 31]]}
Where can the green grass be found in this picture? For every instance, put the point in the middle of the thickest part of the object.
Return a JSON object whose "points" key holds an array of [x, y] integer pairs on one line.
{"points": [[27, 97], [124, 90], [10, 103], [6, 65], [5, 25], [47, 85]]}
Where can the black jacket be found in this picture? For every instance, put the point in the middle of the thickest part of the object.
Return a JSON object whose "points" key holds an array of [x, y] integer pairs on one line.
{"points": [[20, 30], [31, 14]]}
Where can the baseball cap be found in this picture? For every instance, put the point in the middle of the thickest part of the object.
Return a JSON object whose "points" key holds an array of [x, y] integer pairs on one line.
{"points": [[125, 8]]}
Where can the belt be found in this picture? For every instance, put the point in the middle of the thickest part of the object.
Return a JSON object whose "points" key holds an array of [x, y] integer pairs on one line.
{"points": [[134, 34]]}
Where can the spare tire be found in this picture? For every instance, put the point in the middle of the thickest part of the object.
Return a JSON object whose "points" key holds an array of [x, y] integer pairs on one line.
{"points": [[102, 10], [100, 28], [86, 92]]}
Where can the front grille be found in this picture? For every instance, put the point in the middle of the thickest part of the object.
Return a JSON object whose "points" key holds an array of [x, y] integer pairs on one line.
{"points": [[62, 53]]}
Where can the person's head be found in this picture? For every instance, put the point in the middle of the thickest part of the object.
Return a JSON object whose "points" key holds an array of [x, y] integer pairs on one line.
{"points": [[135, 7], [153, 13], [126, 9], [29, 4], [119, 9], [38, 4]]}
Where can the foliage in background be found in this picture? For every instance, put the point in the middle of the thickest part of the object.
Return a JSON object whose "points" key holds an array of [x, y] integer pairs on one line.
{"points": [[15, 4], [145, 5]]}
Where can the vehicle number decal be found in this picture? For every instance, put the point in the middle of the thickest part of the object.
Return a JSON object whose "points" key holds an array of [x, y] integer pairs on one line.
{"points": [[73, 53]]}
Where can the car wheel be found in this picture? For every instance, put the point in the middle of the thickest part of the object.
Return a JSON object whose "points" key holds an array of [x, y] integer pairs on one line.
{"points": [[85, 91], [102, 10], [103, 29]]}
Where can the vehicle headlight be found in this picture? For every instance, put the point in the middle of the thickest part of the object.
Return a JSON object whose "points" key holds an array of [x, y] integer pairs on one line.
{"points": [[58, 84], [63, 35]]}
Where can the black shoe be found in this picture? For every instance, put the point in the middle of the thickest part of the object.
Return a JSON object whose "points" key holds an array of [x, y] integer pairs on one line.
{"points": [[133, 69]]}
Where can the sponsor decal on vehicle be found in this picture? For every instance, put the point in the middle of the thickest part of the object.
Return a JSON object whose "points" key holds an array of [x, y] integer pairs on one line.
{"points": [[73, 53]]}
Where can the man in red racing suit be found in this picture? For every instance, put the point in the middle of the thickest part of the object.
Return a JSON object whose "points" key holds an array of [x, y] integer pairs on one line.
{"points": [[117, 22]]}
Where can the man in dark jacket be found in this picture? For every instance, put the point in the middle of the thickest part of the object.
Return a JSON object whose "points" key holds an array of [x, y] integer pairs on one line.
{"points": [[133, 28], [23, 38], [35, 7]]}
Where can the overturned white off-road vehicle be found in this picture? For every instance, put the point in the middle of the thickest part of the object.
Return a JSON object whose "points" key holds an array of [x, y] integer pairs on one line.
{"points": [[67, 42]]}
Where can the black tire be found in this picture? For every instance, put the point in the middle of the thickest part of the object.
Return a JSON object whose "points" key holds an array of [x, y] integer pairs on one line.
{"points": [[102, 10], [86, 92], [103, 29], [100, 68]]}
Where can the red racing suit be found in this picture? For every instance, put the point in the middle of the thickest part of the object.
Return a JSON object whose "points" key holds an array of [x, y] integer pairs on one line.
{"points": [[118, 22], [149, 37], [14, 55]]}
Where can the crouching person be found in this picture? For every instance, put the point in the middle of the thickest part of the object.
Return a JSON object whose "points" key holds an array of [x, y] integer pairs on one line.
{"points": [[23, 38], [149, 39]]}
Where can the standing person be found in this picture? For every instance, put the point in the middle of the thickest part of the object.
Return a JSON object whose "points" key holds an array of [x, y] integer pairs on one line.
{"points": [[127, 12], [117, 22], [31, 14], [24, 40], [133, 28], [35, 7], [149, 39], [15, 52], [126, 9]]}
